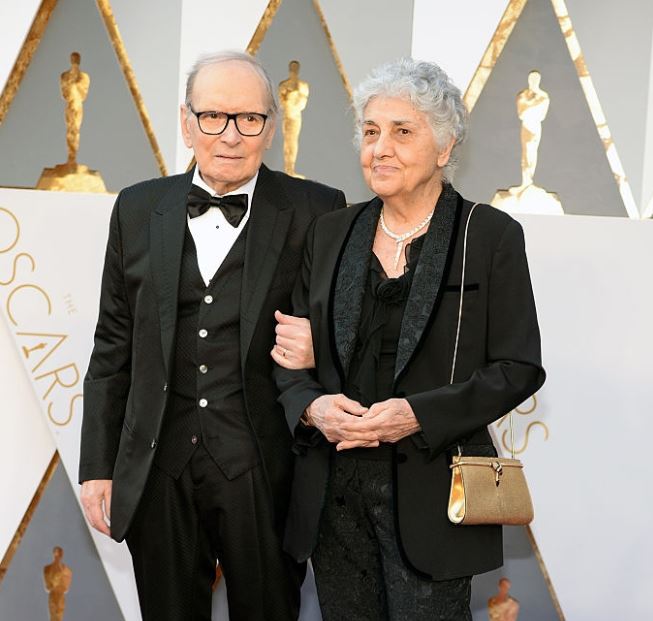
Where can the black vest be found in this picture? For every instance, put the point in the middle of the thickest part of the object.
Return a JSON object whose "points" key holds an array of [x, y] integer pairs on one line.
{"points": [[207, 402]]}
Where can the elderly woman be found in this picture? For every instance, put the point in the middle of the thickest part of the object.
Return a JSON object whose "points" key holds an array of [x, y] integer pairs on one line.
{"points": [[378, 417]]}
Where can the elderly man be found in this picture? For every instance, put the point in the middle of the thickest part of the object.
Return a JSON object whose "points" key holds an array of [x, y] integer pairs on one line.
{"points": [[184, 447]]}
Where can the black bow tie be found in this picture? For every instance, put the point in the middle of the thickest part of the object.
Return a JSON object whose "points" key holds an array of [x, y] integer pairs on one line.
{"points": [[233, 206]]}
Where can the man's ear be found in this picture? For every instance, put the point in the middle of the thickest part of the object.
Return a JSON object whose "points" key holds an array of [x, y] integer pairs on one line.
{"points": [[272, 126], [184, 121]]}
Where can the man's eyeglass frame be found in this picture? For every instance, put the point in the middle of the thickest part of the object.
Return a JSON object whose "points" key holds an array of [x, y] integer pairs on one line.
{"points": [[229, 118]]}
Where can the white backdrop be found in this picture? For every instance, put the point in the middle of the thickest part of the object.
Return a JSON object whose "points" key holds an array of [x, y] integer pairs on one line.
{"points": [[590, 478]]}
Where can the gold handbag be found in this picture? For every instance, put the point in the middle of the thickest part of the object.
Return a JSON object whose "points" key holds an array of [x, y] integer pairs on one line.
{"points": [[486, 490]]}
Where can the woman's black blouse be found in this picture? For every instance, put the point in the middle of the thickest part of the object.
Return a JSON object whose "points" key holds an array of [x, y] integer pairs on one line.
{"points": [[371, 371]]}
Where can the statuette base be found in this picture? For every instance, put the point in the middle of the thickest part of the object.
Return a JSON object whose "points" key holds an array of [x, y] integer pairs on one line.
{"points": [[528, 199], [71, 178]]}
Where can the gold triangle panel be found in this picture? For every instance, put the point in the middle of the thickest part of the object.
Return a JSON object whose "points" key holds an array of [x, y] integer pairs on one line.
{"points": [[25, 55], [118, 45], [597, 202], [530, 583], [263, 25], [29, 512], [332, 47], [299, 32], [56, 550], [260, 33], [116, 137], [493, 51]]}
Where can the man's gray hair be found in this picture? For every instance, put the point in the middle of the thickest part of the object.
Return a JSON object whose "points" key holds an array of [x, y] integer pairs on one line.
{"points": [[429, 89], [228, 56]]}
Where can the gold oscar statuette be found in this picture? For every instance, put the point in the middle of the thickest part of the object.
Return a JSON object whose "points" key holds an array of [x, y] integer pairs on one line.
{"points": [[57, 577], [293, 95], [532, 108], [71, 176], [503, 607]]}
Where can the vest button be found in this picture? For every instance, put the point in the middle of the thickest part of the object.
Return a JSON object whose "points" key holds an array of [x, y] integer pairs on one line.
{"points": [[203, 333], [193, 440], [153, 444], [203, 403], [203, 368], [208, 299]]}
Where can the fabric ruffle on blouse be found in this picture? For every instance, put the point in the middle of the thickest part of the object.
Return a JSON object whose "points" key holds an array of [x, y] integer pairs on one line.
{"points": [[372, 369]]}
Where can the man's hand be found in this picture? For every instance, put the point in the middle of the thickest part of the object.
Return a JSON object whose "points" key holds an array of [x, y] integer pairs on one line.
{"points": [[96, 500], [337, 416], [386, 421], [294, 343]]}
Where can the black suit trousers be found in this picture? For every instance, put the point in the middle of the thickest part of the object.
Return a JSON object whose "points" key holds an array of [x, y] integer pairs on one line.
{"points": [[183, 525]]}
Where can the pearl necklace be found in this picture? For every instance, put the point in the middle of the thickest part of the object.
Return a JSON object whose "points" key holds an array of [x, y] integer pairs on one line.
{"points": [[400, 239]]}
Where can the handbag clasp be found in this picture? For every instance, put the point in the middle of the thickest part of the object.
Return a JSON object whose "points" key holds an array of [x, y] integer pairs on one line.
{"points": [[498, 471]]}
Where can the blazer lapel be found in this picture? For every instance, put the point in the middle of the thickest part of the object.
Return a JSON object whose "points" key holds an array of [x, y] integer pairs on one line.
{"points": [[351, 277], [267, 230], [167, 228], [432, 267]]}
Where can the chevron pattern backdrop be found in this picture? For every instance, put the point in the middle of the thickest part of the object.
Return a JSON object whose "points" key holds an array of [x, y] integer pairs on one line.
{"points": [[596, 62]]}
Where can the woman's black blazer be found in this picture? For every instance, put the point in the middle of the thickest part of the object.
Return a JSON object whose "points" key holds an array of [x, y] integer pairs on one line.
{"points": [[498, 367]]}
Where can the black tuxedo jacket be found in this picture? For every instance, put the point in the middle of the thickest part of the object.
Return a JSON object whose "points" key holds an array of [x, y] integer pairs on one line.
{"points": [[125, 389], [498, 367]]}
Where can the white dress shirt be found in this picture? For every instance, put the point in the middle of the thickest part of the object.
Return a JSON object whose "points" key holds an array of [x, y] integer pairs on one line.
{"points": [[213, 235]]}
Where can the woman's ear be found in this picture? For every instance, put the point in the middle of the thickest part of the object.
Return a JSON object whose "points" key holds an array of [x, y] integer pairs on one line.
{"points": [[445, 154]]}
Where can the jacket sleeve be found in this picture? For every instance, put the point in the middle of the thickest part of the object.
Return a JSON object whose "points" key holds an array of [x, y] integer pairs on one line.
{"points": [[299, 388], [107, 381], [513, 371]]}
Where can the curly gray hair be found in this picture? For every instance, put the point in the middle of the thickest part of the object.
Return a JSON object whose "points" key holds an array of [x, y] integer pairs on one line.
{"points": [[429, 89]]}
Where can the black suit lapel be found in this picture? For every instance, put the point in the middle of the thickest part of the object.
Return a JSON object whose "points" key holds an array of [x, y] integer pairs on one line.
{"points": [[432, 267], [167, 228], [351, 277], [268, 227]]}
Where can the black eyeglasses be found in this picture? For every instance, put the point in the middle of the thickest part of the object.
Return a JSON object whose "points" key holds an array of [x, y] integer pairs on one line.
{"points": [[214, 123]]}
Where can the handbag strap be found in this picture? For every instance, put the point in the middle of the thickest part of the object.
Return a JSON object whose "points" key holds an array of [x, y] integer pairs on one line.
{"points": [[462, 295], [460, 318]]}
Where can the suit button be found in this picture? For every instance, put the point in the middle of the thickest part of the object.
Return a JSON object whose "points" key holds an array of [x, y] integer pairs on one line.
{"points": [[202, 333], [165, 387], [193, 440], [208, 299], [402, 458], [203, 403], [203, 368], [153, 443]]}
